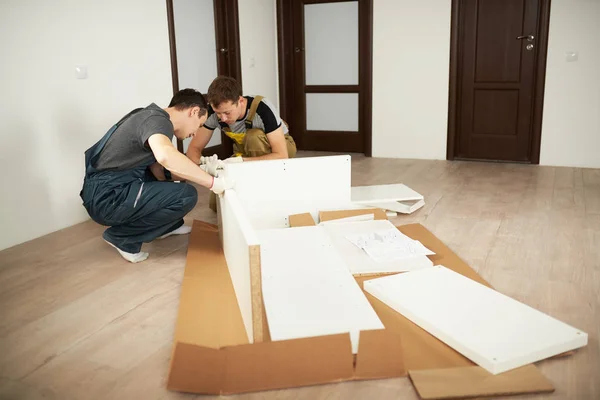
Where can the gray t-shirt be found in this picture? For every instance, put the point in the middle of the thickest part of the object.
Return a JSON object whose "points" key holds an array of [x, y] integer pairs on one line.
{"points": [[127, 147]]}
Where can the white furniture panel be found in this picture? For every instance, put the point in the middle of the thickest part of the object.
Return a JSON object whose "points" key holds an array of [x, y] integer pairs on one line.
{"points": [[332, 112], [357, 260], [238, 234], [270, 191], [383, 193], [307, 288], [331, 43], [491, 329]]}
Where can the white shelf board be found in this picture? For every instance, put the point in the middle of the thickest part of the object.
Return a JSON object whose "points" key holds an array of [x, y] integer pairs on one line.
{"points": [[383, 194], [307, 288], [491, 329]]}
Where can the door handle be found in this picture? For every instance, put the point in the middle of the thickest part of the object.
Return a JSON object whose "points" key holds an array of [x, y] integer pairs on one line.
{"points": [[528, 37], [223, 50]]}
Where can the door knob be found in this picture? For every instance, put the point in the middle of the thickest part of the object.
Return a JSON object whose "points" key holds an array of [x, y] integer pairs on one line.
{"points": [[223, 50], [528, 37]]}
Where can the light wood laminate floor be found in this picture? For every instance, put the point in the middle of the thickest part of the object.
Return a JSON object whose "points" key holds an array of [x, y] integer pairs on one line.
{"points": [[79, 322]]}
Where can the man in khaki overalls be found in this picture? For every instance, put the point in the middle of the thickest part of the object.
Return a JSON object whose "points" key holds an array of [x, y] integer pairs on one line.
{"points": [[253, 123]]}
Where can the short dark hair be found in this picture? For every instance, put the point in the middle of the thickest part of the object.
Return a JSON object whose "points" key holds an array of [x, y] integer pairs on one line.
{"points": [[222, 89], [187, 98]]}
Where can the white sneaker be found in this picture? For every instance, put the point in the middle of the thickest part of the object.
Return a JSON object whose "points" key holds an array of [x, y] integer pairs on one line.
{"points": [[131, 257], [182, 230]]}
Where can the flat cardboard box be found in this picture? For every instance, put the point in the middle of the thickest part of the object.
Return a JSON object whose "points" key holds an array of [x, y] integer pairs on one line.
{"points": [[211, 353], [468, 382]]}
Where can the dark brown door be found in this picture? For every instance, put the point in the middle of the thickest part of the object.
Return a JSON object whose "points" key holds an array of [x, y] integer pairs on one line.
{"points": [[326, 110], [499, 49], [228, 57]]}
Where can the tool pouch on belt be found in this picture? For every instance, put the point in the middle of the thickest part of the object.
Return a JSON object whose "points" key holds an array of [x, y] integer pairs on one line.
{"points": [[238, 138]]}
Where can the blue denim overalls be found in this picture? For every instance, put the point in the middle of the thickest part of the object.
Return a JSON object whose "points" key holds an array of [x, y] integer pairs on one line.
{"points": [[135, 206]]}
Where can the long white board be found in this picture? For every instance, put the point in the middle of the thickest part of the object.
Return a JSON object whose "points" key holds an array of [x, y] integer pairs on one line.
{"points": [[308, 290], [272, 190], [384, 193], [491, 329], [238, 235]]}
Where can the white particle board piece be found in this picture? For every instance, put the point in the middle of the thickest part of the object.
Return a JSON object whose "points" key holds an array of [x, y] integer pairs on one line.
{"points": [[404, 207], [493, 330], [271, 190], [238, 237], [384, 193], [395, 197], [359, 262], [307, 288]]}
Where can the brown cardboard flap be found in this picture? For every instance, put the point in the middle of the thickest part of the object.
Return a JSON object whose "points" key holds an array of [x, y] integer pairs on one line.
{"points": [[475, 381], [301, 220], [208, 314], [197, 369], [337, 214], [379, 355], [420, 349], [288, 363], [443, 255]]}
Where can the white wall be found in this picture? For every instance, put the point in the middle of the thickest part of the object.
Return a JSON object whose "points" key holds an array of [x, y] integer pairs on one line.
{"points": [[411, 57], [411, 52], [258, 42], [194, 22], [571, 123], [48, 118]]}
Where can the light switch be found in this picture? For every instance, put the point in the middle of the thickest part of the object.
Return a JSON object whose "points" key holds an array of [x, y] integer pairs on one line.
{"points": [[81, 72], [572, 56]]}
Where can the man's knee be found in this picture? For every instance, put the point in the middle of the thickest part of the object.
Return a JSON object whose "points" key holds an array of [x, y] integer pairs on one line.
{"points": [[189, 197]]}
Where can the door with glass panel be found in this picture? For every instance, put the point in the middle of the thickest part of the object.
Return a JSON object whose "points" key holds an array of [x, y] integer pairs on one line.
{"points": [[325, 73]]}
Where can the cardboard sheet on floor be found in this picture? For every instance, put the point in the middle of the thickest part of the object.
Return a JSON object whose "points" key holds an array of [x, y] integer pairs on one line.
{"points": [[422, 351], [209, 322], [211, 353], [337, 214], [475, 381]]}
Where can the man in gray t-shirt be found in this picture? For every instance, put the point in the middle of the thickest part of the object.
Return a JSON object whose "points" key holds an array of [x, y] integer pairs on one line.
{"points": [[126, 186]]}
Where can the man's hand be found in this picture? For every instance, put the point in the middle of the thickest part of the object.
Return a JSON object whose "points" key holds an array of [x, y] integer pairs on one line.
{"points": [[206, 160], [212, 166], [221, 184]]}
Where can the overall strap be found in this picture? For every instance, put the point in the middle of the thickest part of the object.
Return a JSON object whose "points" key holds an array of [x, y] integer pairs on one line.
{"points": [[252, 112]]}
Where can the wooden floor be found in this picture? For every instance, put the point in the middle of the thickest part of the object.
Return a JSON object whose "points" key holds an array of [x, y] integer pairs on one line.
{"points": [[79, 322]]}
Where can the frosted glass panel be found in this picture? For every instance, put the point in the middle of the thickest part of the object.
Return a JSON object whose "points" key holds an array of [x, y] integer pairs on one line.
{"points": [[332, 112], [331, 43], [196, 48]]}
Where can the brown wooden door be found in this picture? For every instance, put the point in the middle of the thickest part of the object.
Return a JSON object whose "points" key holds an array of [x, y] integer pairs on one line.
{"points": [[500, 58], [301, 99], [228, 57]]}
